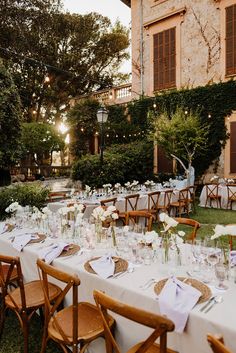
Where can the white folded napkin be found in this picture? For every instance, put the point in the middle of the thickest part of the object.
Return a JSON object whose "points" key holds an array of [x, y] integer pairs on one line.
{"points": [[51, 252], [104, 266], [22, 239], [176, 301]]}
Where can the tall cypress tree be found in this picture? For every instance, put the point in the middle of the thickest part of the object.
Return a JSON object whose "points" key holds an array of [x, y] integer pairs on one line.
{"points": [[10, 121]]}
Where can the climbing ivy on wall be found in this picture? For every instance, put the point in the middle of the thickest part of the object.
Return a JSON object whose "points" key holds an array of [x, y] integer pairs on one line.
{"points": [[127, 123]]}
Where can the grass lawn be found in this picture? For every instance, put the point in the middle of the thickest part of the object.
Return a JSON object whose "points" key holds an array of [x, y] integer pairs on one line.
{"points": [[208, 218]]}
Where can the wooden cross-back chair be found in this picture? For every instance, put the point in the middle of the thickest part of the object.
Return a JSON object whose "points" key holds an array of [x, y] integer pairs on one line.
{"points": [[192, 197], [24, 300], [181, 206], [131, 203], [135, 217], [212, 194], [160, 324], [217, 344], [231, 195], [76, 325], [164, 204], [153, 203], [56, 196], [109, 202], [195, 225]]}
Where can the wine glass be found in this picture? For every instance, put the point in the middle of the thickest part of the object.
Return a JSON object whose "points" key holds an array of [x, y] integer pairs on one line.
{"points": [[221, 274]]}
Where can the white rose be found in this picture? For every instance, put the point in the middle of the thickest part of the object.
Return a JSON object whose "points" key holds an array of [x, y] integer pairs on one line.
{"points": [[181, 233]]}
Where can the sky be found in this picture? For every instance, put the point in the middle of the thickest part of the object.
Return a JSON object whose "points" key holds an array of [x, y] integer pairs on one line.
{"points": [[114, 9], [111, 8]]}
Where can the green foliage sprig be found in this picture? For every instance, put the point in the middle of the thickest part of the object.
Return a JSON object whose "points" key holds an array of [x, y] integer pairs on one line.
{"points": [[28, 194]]}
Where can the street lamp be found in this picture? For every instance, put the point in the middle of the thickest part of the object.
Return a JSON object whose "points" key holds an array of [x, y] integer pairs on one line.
{"points": [[102, 115]]}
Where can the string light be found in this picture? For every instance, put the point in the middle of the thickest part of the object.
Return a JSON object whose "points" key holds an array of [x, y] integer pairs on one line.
{"points": [[209, 115], [154, 105], [186, 112], [82, 129]]}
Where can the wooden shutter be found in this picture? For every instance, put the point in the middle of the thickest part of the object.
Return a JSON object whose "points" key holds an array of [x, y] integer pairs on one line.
{"points": [[233, 147], [230, 40], [164, 164], [164, 64]]}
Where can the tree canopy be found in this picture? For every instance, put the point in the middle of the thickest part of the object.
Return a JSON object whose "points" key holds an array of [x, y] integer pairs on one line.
{"points": [[182, 135], [39, 140], [55, 55], [10, 124]]}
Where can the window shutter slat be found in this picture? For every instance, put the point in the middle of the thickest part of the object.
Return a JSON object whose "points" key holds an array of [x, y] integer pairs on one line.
{"points": [[230, 40], [233, 147], [164, 62]]}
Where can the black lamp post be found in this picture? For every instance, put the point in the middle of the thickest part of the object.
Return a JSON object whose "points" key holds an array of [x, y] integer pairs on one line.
{"points": [[102, 115]]}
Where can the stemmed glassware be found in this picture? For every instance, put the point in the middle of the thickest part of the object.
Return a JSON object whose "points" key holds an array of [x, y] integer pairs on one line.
{"points": [[221, 274]]}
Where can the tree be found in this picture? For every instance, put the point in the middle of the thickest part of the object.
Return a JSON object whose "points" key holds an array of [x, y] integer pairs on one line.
{"points": [[10, 129], [54, 56], [182, 136], [39, 140]]}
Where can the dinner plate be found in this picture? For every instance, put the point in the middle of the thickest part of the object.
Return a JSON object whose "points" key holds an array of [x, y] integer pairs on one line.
{"points": [[39, 238], [204, 289], [121, 265], [70, 250]]}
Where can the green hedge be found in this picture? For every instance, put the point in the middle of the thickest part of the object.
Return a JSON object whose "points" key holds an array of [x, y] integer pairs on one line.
{"points": [[31, 194], [122, 163]]}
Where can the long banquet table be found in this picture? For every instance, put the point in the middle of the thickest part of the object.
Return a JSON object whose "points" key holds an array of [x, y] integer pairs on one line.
{"points": [[224, 197], [221, 319], [120, 203]]}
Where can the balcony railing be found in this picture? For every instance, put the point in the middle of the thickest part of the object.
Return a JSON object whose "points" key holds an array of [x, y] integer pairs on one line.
{"points": [[115, 95]]}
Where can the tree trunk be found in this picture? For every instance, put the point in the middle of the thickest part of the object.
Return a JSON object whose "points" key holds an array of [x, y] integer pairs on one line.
{"points": [[5, 177]]}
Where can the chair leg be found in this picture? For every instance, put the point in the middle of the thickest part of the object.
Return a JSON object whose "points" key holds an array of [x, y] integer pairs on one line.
{"points": [[2, 318], [44, 339], [25, 328]]}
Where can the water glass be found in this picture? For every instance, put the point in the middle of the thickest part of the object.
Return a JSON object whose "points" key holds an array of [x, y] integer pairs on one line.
{"points": [[221, 274]]}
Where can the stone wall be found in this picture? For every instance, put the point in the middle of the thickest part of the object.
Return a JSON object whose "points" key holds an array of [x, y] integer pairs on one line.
{"points": [[199, 37]]}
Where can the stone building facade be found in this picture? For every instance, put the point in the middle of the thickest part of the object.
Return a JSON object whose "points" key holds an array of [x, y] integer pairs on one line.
{"points": [[185, 44]]}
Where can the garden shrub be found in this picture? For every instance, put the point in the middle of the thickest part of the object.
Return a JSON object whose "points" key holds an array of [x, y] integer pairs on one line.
{"points": [[32, 194], [121, 163]]}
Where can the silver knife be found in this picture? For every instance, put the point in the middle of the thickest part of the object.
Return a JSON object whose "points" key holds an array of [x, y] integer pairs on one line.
{"points": [[208, 303]]}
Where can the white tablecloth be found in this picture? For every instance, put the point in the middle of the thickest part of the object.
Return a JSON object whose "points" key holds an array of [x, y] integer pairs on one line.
{"points": [[120, 204], [224, 198], [221, 319]]}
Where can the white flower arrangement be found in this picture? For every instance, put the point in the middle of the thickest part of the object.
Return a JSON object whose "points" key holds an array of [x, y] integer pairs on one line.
{"points": [[117, 186], [127, 185], [215, 178], [46, 213], [101, 214], [14, 207], [170, 236], [134, 185], [88, 191], [220, 230]]}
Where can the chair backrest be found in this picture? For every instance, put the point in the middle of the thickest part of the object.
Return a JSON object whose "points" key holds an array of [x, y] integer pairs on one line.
{"points": [[231, 191], [192, 223], [136, 216], [153, 200], [5, 279], [192, 192], [71, 282], [160, 324], [167, 198], [217, 344], [131, 202], [57, 195], [109, 202], [184, 195], [212, 190]]}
